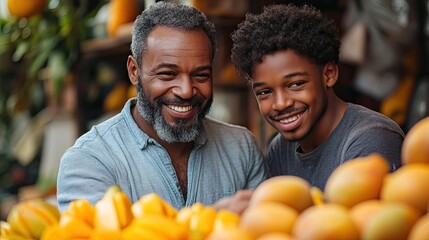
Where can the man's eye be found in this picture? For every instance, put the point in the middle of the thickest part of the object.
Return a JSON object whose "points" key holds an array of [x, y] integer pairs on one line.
{"points": [[262, 93], [296, 84], [202, 76], [167, 73]]}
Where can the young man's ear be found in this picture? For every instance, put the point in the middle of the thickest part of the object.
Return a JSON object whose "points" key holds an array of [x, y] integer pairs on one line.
{"points": [[133, 70], [330, 74]]}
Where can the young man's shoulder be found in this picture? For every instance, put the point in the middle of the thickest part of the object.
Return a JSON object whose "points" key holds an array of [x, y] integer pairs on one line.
{"points": [[362, 116]]}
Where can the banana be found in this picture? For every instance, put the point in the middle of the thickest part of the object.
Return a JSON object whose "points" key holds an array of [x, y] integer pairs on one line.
{"points": [[82, 210], [45, 209], [105, 235], [17, 223], [183, 216], [201, 223], [162, 225], [74, 227], [113, 211], [7, 233], [54, 232], [132, 233], [31, 217], [152, 204], [226, 219]]}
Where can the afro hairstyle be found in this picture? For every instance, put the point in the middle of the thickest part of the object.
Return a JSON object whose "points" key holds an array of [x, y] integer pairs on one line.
{"points": [[302, 29]]}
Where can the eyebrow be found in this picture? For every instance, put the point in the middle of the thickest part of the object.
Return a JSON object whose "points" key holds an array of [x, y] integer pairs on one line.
{"points": [[174, 66], [288, 76]]}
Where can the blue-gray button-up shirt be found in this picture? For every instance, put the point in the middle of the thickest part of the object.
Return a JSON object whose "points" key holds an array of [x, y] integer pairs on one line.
{"points": [[225, 159]]}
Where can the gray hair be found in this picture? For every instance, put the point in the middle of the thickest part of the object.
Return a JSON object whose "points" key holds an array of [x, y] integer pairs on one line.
{"points": [[176, 16]]}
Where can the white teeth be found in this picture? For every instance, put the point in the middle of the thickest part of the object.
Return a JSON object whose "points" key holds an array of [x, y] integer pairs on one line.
{"points": [[288, 120], [180, 108]]}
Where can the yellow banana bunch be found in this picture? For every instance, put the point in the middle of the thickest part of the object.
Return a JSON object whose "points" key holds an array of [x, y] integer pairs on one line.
{"points": [[75, 222], [201, 223], [225, 220], [113, 211], [201, 220], [152, 204], [155, 227], [6, 232], [28, 219]]}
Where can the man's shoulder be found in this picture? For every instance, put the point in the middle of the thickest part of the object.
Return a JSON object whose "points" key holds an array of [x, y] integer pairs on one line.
{"points": [[363, 117], [212, 124], [227, 133], [101, 131]]}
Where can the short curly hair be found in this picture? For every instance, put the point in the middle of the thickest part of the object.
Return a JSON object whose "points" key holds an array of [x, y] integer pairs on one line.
{"points": [[176, 16], [280, 27]]}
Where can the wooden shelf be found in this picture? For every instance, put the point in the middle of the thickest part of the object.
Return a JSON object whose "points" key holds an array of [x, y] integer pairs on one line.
{"points": [[109, 46]]}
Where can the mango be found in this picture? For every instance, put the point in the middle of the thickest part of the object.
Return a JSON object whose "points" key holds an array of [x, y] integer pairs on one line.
{"points": [[325, 222], [392, 221], [409, 184], [415, 148], [357, 180], [268, 217], [420, 230], [290, 190]]}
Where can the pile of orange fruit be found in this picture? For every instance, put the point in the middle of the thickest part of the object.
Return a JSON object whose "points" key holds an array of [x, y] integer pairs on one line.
{"points": [[362, 199]]}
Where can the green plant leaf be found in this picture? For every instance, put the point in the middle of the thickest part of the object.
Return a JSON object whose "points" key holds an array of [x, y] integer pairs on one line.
{"points": [[21, 49]]}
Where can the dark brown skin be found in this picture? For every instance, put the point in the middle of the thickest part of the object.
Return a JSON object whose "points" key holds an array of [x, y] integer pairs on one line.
{"points": [[296, 97]]}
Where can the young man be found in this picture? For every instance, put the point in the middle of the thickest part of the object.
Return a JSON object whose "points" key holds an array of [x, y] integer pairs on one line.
{"points": [[290, 56], [162, 142]]}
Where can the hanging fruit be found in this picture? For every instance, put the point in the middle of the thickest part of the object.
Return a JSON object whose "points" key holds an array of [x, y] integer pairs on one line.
{"points": [[120, 13], [25, 8]]}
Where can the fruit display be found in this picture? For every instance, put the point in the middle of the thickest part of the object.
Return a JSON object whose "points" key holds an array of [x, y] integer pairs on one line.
{"points": [[361, 200]]}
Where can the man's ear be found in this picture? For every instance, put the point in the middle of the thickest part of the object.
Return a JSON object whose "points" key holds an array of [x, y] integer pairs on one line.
{"points": [[330, 74], [133, 70]]}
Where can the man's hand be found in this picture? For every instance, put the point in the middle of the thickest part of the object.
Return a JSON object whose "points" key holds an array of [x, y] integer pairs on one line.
{"points": [[236, 203]]}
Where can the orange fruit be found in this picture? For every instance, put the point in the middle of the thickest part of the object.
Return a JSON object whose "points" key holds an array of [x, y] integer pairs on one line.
{"points": [[420, 229], [290, 190], [415, 147], [356, 180], [392, 221], [268, 217], [25, 8], [120, 13], [409, 184], [276, 236], [325, 222], [230, 233], [363, 212]]}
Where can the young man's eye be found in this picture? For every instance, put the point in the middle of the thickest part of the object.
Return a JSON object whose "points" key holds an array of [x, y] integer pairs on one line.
{"points": [[262, 93], [296, 84]]}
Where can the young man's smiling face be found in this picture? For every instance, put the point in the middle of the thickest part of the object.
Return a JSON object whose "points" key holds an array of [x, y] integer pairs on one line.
{"points": [[175, 84], [291, 93]]}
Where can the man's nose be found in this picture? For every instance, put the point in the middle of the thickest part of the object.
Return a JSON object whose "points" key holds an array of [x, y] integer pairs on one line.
{"points": [[282, 101], [185, 88]]}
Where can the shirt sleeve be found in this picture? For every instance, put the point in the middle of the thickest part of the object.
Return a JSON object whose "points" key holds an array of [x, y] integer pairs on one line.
{"points": [[257, 170], [81, 176]]}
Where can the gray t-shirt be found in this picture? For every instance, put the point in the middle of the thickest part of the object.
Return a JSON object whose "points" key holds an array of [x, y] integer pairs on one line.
{"points": [[225, 159], [360, 132]]}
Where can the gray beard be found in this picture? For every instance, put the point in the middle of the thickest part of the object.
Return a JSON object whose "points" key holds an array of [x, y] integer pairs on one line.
{"points": [[181, 133]]}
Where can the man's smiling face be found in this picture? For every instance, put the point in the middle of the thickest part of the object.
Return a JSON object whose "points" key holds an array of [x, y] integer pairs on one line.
{"points": [[175, 84]]}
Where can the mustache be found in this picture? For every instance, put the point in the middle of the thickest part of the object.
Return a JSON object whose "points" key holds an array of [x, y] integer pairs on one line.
{"points": [[196, 100], [288, 111]]}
